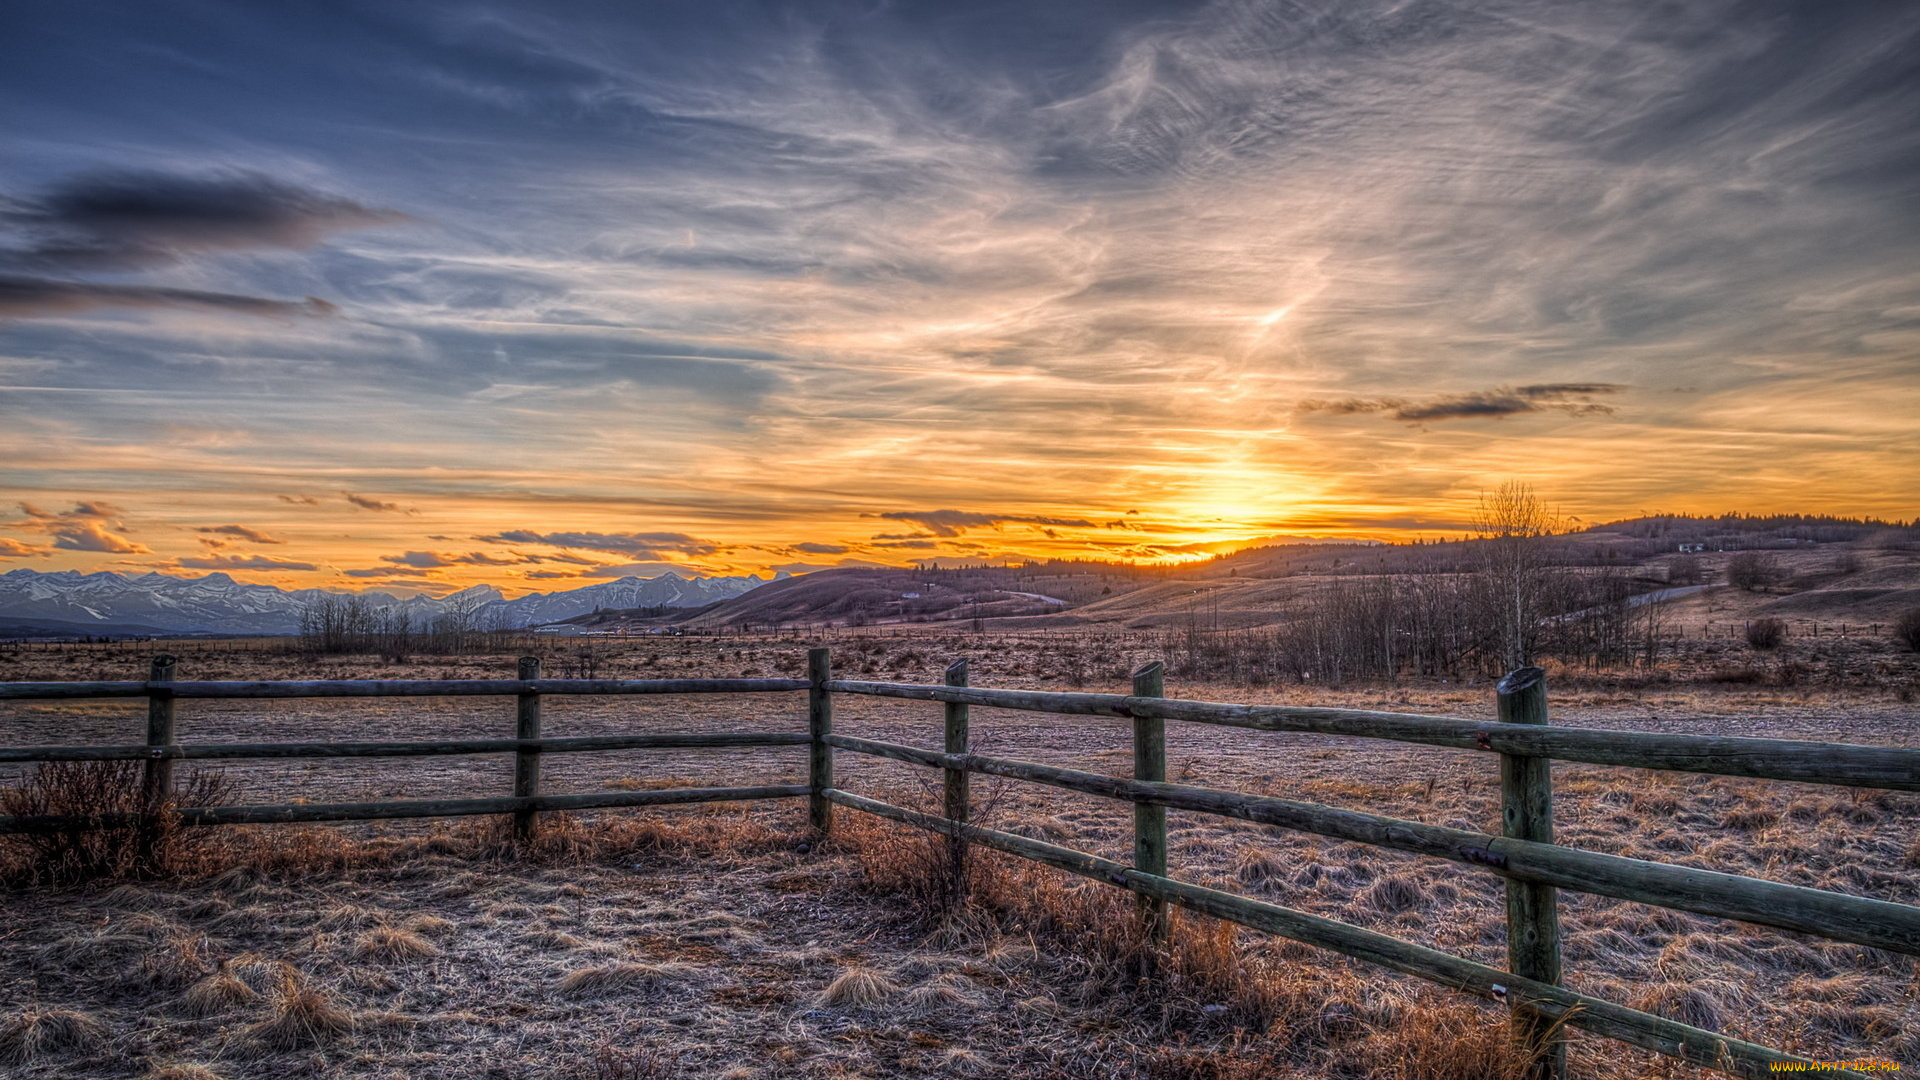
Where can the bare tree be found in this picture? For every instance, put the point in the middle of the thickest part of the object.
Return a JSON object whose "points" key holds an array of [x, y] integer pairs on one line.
{"points": [[1513, 525]]}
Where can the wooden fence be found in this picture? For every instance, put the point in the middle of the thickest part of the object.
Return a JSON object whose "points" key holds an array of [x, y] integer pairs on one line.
{"points": [[1534, 867]]}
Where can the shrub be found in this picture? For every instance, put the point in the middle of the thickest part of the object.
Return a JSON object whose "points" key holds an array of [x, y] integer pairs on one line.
{"points": [[107, 830], [1684, 570], [1752, 570], [1906, 629], [1766, 633]]}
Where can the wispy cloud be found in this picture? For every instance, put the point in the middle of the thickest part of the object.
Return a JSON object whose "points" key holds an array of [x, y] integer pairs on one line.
{"points": [[14, 549], [89, 526], [1234, 265], [240, 562], [955, 522], [241, 531]]}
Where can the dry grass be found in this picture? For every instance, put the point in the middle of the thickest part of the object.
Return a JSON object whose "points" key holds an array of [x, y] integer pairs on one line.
{"points": [[181, 1070], [34, 1034], [857, 988], [392, 944], [300, 1017], [610, 978], [708, 942], [117, 832], [216, 994]]}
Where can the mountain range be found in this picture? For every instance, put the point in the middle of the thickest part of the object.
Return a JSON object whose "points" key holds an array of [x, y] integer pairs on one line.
{"points": [[69, 602]]}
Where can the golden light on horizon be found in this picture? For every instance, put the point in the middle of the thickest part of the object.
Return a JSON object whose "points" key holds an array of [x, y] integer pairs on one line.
{"points": [[1149, 288]]}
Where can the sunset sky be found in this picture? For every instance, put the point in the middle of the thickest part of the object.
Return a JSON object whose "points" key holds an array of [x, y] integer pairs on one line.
{"points": [[540, 294]]}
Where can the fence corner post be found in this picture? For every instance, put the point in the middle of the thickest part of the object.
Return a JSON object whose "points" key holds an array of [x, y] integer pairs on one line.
{"points": [[1533, 915], [156, 781], [1150, 822], [526, 760], [820, 754], [957, 794]]}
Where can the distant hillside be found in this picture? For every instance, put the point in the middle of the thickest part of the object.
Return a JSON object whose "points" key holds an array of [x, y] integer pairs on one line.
{"points": [[858, 596], [110, 603], [1835, 568]]}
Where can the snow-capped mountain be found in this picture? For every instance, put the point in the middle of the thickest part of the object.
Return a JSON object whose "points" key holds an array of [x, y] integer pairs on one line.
{"points": [[218, 604]]}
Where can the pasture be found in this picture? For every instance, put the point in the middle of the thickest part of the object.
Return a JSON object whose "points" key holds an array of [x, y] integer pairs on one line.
{"points": [[718, 941]]}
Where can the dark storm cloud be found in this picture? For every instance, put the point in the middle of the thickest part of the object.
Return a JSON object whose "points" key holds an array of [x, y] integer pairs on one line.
{"points": [[240, 562], [954, 522], [431, 559], [241, 531], [643, 544], [367, 502], [130, 220], [29, 297], [1571, 398]]}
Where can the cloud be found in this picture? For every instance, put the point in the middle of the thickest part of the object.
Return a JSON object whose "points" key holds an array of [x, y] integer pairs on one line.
{"points": [[811, 548], [241, 562], [428, 559], [367, 503], [242, 532], [656, 543], [134, 220], [299, 500], [807, 567], [1574, 399], [955, 522], [28, 297], [637, 569], [89, 526], [741, 278], [388, 571], [14, 549]]}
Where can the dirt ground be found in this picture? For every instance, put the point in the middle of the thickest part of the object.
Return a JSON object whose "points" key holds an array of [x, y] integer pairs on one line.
{"points": [[717, 952]]}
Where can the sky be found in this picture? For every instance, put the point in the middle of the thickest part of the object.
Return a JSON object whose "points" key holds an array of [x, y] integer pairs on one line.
{"points": [[423, 295]]}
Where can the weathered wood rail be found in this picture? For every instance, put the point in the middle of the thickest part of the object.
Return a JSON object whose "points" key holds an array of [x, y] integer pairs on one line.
{"points": [[1534, 867]]}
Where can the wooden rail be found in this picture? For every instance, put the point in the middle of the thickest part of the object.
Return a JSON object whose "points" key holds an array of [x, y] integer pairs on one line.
{"points": [[1891, 767], [525, 805], [332, 688], [1534, 867]]}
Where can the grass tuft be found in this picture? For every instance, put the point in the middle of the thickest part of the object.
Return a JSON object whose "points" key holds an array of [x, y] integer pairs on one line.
{"points": [[392, 944], [181, 1070], [303, 1017], [857, 988], [35, 1034], [216, 994], [593, 981]]}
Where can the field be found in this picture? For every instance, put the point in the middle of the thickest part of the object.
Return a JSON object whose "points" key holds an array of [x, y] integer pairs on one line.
{"points": [[718, 942]]}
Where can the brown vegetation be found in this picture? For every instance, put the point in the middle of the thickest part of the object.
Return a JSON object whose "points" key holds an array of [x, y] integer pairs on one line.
{"points": [[706, 943]]}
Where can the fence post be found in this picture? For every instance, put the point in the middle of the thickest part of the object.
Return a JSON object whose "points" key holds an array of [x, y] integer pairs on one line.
{"points": [[1533, 915], [820, 755], [958, 739], [156, 786], [526, 760], [1150, 822]]}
